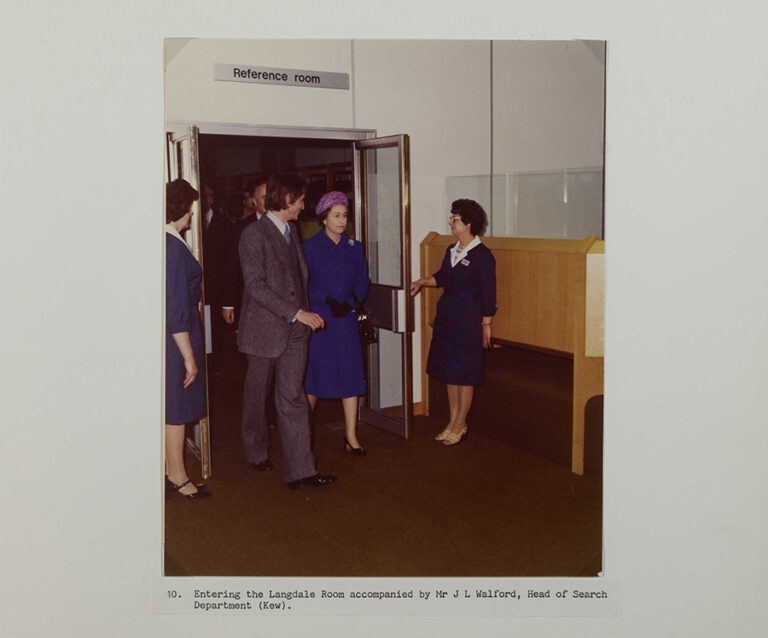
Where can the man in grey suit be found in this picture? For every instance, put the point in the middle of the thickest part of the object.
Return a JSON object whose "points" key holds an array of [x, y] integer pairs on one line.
{"points": [[274, 330]]}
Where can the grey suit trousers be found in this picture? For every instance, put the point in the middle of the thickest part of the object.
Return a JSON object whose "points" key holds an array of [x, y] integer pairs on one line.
{"points": [[290, 401]]}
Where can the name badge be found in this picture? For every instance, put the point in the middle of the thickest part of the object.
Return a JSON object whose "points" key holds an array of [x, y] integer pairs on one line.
{"points": [[351, 242], [465, 262]]}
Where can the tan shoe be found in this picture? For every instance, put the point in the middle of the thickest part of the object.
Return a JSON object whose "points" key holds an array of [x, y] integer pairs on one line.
{"points": [[441, 435], [452, 438]]}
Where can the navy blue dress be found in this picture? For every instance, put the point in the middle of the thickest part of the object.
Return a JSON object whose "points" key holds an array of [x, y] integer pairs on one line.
{"points": [[182, 294], [456, 351], [335, 368]]}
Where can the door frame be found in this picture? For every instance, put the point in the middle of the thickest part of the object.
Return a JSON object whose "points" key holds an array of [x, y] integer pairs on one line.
{"points": [[352, 135], [305, 132]]}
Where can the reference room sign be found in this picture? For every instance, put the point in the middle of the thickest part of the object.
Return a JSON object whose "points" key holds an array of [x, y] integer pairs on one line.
{"points": [[287, 77]]}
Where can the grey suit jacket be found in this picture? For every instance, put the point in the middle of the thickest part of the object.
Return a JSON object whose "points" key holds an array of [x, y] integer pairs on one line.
{"points": [[272, 294]]}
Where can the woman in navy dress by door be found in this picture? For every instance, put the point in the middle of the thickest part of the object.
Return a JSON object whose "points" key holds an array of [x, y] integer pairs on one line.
{"points": [[337, 274], [462, 325], [184, 351]]}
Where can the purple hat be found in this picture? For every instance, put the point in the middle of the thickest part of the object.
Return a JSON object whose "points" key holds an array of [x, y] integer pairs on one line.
{"points": [[329, 200]]}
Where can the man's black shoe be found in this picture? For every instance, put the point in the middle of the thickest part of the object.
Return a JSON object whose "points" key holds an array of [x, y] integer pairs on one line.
{"points": [[318, 480], [264, 466]]}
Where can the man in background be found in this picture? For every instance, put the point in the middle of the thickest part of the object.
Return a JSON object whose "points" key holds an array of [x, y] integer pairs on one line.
{"points": [[215, 243], [216, 237]]}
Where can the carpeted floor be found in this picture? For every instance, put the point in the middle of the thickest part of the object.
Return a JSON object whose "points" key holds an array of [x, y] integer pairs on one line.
{"points": [[410, 508]]}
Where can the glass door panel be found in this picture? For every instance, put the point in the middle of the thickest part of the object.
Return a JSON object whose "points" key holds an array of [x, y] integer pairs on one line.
{"points": [[385, 233], [385, 225]]}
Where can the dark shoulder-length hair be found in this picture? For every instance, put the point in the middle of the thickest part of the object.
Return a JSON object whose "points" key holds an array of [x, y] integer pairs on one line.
{"points": [[282, 185], [472, 214], [179, 195]]}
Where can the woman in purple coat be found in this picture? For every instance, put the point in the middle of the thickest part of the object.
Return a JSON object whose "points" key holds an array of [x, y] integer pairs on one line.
{"points": [[462, 325], [337, 274], [184, 350]]}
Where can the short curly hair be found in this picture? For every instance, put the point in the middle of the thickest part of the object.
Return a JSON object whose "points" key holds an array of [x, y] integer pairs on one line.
{"points": [[179, 195], [472, 214]]}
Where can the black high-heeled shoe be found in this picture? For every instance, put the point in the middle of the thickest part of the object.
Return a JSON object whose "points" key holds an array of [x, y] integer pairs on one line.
{"points": [[356, 451], [171, 487]]}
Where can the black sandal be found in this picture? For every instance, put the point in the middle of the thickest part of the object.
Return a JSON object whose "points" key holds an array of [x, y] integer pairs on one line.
{"points": [[170, 487]]}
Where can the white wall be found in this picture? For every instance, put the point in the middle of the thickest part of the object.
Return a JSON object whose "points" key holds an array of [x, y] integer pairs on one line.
{"points": [[547, 106], [192, 94]]}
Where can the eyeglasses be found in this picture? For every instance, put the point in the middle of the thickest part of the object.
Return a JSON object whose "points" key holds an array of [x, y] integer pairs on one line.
{"points": [[454, 218]]}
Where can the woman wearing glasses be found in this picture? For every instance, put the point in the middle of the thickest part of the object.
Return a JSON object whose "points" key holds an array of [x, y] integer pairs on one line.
{"points": [[462, 325]]}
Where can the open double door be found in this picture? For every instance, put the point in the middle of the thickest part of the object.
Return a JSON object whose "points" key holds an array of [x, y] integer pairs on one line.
{"points": [[382, 224]]}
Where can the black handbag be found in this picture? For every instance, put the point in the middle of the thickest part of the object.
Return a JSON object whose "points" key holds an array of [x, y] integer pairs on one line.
{"points": [[365, 328]]}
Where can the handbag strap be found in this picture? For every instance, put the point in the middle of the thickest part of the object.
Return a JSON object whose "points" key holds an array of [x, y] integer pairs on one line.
{"points": [[361, 316]]}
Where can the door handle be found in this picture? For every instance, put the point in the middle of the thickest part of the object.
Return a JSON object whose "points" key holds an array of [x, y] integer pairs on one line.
{"points": [[399, 299], [386, 308]]}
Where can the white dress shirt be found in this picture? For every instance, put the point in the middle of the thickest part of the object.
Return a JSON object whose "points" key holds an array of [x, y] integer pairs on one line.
{"points": [[277, 222], [281, 225]]}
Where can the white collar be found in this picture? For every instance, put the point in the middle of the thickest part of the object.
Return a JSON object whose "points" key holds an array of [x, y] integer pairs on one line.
{"points": [[208, 215], [171, 230], [458, 253], [277, 222]]}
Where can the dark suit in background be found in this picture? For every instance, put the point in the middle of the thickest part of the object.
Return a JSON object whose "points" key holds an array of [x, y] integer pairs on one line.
{"points": [[215, 238], [215, 244], [232, 275], [275, 288]]}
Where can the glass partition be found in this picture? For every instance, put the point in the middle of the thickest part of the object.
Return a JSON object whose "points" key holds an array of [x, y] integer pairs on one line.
{"points": [[563, 204]]}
